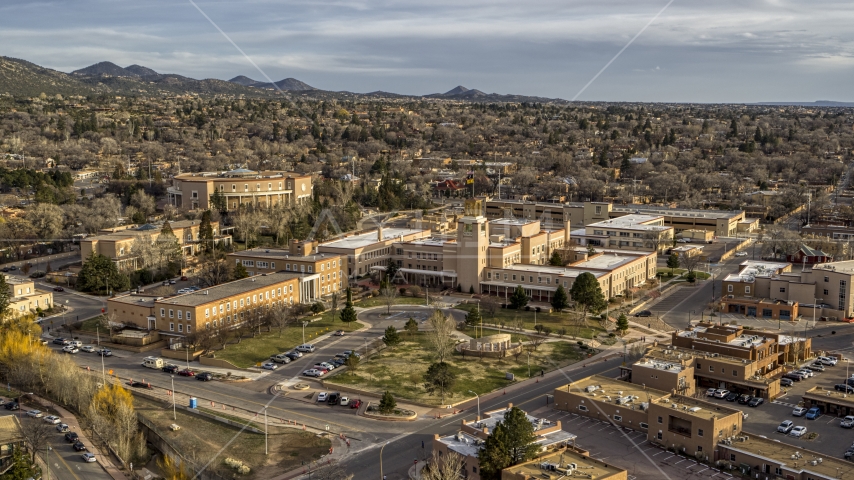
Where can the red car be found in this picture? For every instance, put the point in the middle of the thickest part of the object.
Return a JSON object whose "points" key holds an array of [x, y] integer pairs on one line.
{"points": [[321, 368], [187, 373], [355, 403], [184, 278]]}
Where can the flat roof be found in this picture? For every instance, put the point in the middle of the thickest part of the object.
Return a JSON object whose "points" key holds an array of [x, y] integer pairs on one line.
{"points": [[462, 443], [561, 459], [282, 253], [677, 212], [608, 390], [513, 221], [428, 242], [135, 299], [846, 266], [633, 222], [367, 239], [830, 396], [606, 261], [230, 289], [658, 364], [791, 457], [10, 429], [696, 408], [548, 269]]}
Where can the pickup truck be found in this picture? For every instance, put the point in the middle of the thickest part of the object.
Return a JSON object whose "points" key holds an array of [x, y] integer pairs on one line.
{"points": [[280, 358]]}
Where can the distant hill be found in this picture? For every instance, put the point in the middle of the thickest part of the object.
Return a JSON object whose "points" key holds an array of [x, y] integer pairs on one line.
{"points": [[474, 95], [105, 68], [458, 90], [141, 71], [817, 103], [22, 78], [287, 84]]}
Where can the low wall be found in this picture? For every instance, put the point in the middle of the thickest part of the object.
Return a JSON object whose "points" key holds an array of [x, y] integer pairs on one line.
{"points": [[224, 420], [131, 348], [218, 362], [729, 254], [151, 338], [179, 354]]}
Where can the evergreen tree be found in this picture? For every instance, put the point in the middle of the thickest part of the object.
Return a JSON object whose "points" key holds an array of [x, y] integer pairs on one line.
{"points": [[391, 337], [348, 314], [391, 270], [167, 229], [556, 259], [5, 296], [411, 326], [672, 262], [206, 230], [473, 318], [622, 324], [560, 299], [387, 403], [511, 443], [441, 378], [100, 275], [519, 298], [587, 293], [240, 271]]}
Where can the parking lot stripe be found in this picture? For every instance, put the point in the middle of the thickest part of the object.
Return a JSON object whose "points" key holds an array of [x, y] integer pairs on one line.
{"points": [[668, 458], [680, 461], [659, 453], [701, 471]]}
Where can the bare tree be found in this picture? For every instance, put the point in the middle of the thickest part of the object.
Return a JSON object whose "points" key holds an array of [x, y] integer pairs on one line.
{"points": [[534, 342], [389, 293], [214, 272], [445, 467], [440, 335], [689, 262], [37, 433]]}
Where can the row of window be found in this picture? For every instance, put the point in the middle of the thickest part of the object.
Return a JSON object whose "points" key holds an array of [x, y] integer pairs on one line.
{"points": [[374, 254], [257, 187]]}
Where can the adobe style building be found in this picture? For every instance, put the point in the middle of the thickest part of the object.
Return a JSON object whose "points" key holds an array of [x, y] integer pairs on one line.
{"points": [[324, 273], [117, 243], [26, 297], [630, 232], [755, 456], [825, 285], [564, 462], [238, 187], [228, 304]]}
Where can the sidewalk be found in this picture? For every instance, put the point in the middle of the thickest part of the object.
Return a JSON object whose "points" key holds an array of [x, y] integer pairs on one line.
{"points": [[104, 459]]}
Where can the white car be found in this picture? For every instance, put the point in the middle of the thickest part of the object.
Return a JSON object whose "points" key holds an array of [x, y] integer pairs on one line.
{"points": [[327, 366], [70, 349], [52, 419], [269, 366], [798, 431], [711, 392], [322, 396], [87, 348], [88, 457], [62, 428], [786, 426], [721, 393], [799, 411], [312, 372], [831, 361], [741, 254], [34, 413], [345, 401]]}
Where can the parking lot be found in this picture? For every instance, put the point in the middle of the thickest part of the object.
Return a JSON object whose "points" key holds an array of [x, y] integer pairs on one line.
{"points": [[832, 439], [629, 449]]}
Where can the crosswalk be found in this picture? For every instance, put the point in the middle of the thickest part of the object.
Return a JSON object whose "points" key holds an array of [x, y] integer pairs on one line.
{"points": [[777, 402]]}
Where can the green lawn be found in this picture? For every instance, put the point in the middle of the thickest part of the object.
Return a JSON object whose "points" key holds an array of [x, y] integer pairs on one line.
{"points": [[662, 273], [250, 351], [508, 318], [401, 369], [381, 302]]}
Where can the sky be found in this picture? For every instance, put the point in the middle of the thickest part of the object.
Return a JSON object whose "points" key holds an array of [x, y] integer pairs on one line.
{"points": [[695, 51]]}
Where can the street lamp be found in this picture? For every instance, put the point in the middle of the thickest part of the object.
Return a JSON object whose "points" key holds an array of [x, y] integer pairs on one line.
{"points": [[303, 331], [172, 377], [382, 477], [478, 403], [265, 431]]}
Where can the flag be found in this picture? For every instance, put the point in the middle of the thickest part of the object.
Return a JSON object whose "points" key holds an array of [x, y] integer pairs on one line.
{"points": [[470, 178]]}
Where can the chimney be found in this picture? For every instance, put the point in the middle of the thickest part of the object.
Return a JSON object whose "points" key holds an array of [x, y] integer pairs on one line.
{"points": [[380, 234], [566, 233]]}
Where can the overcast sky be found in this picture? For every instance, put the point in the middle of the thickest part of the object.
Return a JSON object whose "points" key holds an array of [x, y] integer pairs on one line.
{"points": [[696, 51]]}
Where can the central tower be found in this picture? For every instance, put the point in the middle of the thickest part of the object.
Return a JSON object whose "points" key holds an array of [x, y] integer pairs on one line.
{"points": [[473, 240]]}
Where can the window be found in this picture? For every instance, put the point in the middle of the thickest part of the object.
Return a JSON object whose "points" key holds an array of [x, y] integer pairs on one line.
{"points": [[644, 425], [782, 289], [699, 448], [729, 288], [658, 436], [778, 471], [618, 418], [187, 316], [700, 432], [660, 420], [826, 292], [734, 372], [180, 327], [711, 368], [179, 314], [731, 457], [746, 289], [826, 279], [582, 408], [842, 285], [188, 329], [162, 312], [171, 313], [207, 313]]}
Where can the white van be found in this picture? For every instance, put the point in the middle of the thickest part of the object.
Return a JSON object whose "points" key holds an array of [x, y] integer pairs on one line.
{"points": [[153, 362], [305, 348], [76, 343]]}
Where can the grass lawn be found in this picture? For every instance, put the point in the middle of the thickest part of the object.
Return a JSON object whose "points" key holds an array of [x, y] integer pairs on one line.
{"points": [[201, 439], [555, 320], [380, 302], [250, 351], [662, 273], [90, 324], [401, 370]]}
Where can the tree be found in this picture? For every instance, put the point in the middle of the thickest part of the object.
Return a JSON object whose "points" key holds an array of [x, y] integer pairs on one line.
{"points": [[333, 304], [349, 313], [691, 277], [473, 318], [622, 324], [20, 467], [5, 296], [100, 275], [587, 293], [352, 363], [511, 443], [672, 262], [167, 247], [387, 403], [206, 233], [411, 326], [439, 377], [391, 337], [690, 262], [519, 298], [213, 271], [239, 271], [440, 335], [591, 250], [560, 300], [389, 293], [445, 467], [391, 270], [46, 218], [38, 435]]}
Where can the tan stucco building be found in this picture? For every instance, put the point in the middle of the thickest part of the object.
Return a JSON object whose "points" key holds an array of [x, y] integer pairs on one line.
{"points": [[26, 297], [239, 187]]}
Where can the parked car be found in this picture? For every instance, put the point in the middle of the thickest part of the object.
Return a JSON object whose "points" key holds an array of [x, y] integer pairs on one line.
{"points": [[337, 361], [847, 422], [731, 397], [184, 278], [321, 368], [58, 289], [78, 446], [87, 348], [806, 372], [59, 341], [844, 388], [12, 406], [61, 428], [71, 437], [355, 403], [280, 358], [339, 333], [786, 382], [269, 366], [741, 254], [35, 413], [326, 365], [791, 376], [204, 376], [52, 419], [105, 352], [321, 397], [711, 392], [742, 400], [798, 431], [186, 372], [312, 372], [816, 367], [334, 398], [644, 313], [172, 282], [344, 401], [136, 384], [721, 393], [755, 402], [170, 368], [88, 457], [305, 348], [294, 354], [829, 361], [813, 413], [799, 411], [70, 349], [786, 426]]}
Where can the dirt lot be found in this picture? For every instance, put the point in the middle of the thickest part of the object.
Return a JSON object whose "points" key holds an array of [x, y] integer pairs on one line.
{"points": [[401, 369], [201, 439]]}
